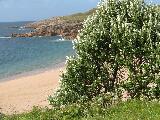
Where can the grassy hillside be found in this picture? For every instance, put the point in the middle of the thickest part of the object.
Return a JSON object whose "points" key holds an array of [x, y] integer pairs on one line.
{"points": [[131, 110], [62, 19], [78, 16]]}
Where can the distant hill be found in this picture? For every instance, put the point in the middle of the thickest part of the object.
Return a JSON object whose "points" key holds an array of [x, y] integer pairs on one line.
{"points": [[66, 26], [78, 17]]}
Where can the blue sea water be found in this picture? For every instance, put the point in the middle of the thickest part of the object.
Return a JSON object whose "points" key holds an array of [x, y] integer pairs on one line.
{"points": [[21, 55]]}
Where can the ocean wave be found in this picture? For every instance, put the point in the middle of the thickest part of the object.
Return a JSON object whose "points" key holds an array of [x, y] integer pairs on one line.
{"points": [[5, 37], [60, 40]]}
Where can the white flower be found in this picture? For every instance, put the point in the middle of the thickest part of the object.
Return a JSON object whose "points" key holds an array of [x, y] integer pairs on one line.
{"points": [[152, 85], [102, 90], [125, 96], [118, 18]]}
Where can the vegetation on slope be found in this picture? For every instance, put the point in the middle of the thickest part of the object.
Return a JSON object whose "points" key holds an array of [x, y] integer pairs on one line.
{"points": [[78, 16], [131, 110]]}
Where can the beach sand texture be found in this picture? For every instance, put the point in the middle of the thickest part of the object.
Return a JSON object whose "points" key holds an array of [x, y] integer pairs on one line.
{"points": [[21, 94]]}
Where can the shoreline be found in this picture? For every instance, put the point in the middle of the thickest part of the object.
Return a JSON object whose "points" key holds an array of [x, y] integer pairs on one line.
{"points": [[23, 92], [32, 72]]}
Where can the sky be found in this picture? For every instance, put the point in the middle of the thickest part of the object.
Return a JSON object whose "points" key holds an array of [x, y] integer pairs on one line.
{"points": [[32, 10]]}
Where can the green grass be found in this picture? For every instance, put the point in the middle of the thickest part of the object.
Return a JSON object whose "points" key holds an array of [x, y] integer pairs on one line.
{"points": [[135, 110], [131, 110], [78, 16]]}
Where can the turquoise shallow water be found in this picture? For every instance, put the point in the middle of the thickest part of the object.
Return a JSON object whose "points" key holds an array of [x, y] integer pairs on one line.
{"points": [[21, 55]]}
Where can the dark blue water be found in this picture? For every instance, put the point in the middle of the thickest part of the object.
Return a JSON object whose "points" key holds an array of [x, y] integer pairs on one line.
{"points": [[21, 55]]}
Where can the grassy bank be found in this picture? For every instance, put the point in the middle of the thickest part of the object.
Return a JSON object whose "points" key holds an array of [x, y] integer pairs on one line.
{"points": [[78, 16], [131, 110]]}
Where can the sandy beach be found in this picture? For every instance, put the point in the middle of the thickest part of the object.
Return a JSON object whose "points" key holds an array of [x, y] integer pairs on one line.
{"points": [[21, 94]]}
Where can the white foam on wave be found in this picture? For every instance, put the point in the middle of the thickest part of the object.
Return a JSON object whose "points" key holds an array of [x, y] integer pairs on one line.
{"points": [[59, 40], [5, 37], [21, 29]]}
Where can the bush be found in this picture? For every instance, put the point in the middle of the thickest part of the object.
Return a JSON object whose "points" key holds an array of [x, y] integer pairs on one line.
{"points": [[118, 52]]}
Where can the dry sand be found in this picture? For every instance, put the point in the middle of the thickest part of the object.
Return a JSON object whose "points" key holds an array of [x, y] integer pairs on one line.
{"points": [[21, 94]]}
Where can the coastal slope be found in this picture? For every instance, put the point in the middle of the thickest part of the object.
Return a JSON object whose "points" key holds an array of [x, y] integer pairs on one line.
{"points": [[66, 26]]}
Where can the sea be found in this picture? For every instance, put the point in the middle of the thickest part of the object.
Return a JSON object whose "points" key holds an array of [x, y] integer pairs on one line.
{"points": [[19, 56]]}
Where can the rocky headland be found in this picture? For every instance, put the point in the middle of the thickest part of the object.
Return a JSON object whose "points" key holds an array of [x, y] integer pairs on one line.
{"points": [[66, 26]]}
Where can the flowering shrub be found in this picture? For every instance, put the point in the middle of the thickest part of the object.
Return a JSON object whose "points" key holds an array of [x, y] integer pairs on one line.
{"points": [[118, 51]]}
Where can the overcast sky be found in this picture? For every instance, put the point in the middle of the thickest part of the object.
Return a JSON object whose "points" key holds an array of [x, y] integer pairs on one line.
{"points": [[30, 10]]}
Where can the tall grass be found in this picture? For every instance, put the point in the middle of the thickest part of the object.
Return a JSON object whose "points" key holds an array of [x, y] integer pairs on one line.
{"points": [[131, 110]]}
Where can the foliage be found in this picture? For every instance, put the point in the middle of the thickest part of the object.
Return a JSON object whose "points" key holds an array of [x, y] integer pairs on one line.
{"points": [[1, 116], [131, 110], [122, 37]]}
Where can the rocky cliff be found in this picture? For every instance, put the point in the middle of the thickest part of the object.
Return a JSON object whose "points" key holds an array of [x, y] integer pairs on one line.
{"points": [[66, 26]]}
